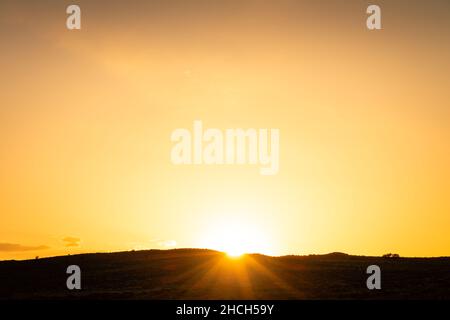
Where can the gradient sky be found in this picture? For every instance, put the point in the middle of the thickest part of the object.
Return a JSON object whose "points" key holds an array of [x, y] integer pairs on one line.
{"points": [[86, 118]]}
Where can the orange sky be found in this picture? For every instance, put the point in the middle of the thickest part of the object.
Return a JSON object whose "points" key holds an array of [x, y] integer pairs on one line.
{"points": [[86, 118]]}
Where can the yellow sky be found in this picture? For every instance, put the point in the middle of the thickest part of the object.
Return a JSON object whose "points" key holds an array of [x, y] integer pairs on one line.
{"points": [[86, 118]]}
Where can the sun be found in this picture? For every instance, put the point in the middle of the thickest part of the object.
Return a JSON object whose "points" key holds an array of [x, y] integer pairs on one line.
{"points": [[234, 249], [232, 253], [236, 238]]}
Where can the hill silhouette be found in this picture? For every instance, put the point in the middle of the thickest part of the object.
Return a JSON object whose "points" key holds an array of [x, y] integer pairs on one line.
{"points": [[208, 274]]}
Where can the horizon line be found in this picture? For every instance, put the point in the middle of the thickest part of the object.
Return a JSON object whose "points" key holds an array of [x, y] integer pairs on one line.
{"points": [[223, 252]]}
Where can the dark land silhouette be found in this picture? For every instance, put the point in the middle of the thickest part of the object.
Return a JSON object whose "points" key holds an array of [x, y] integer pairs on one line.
{"points": [[207, 274]]}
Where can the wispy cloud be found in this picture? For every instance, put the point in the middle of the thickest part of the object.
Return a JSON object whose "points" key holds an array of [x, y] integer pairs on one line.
{"points": [[14, 247], [168, 243], [71, 241], [154, 243]]}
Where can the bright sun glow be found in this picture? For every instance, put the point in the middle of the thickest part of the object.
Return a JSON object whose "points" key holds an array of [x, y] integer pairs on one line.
{"points": [[236, 238]]}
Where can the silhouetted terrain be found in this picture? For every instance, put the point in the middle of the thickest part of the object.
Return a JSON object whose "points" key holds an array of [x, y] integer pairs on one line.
{"points": [[206, 274]]}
